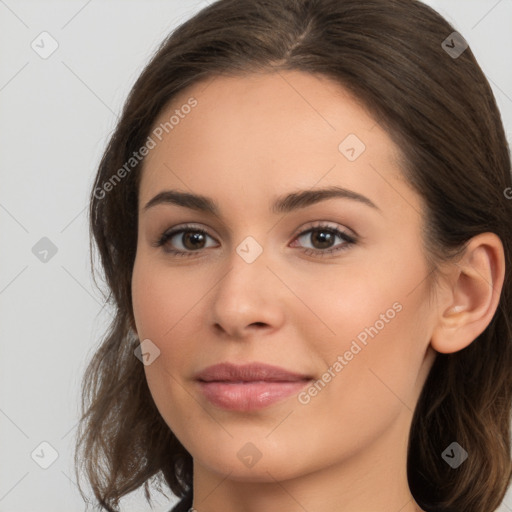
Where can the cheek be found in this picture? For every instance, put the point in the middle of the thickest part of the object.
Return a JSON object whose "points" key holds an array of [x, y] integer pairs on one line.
{"points": [[166, 308], [162, 306], [376, 321], [161, 297]]}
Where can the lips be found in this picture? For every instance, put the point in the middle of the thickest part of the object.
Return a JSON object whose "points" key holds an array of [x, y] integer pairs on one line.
{"points": [[248, 387], [253, 372]]}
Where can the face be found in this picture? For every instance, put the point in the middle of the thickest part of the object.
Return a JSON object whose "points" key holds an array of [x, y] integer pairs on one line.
{"points": [[332, 287]]}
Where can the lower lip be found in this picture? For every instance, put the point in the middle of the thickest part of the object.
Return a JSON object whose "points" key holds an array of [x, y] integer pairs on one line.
{"points": [[249, 396]]}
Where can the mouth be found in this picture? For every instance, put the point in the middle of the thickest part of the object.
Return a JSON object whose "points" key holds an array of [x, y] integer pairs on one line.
{"points": [[248, 387], [229, 372], [249, 395]]}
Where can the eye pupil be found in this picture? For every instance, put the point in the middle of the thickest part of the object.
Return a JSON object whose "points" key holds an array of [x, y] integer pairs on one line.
{"points": [[194, 237], [324, 237]]}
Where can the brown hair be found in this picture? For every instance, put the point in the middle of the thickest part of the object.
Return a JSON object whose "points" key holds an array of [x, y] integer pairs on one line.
{"points": [[440, 110]]}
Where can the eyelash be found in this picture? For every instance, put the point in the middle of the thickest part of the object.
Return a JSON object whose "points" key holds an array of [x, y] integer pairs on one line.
{"points": [[348, 239]]}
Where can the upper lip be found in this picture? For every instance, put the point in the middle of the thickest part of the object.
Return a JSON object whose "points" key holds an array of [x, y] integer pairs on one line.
{"points": [[230, 372]]}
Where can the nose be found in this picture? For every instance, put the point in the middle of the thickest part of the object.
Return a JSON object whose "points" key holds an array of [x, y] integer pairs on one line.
{"points": [[248, 298]]}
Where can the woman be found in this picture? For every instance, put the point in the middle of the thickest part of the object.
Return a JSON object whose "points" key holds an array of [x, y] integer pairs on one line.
{"points": [[304, 224]]}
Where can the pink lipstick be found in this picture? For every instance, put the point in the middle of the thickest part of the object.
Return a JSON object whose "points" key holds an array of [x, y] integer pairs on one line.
{"points": [[250, 386]]}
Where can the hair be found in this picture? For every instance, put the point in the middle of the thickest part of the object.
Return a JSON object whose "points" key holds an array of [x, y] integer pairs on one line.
{"points": [[441, 113]]}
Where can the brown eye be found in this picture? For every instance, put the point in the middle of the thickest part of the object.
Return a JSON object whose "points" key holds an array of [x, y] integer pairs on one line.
{"points": [[323, 237], [191, 240]]}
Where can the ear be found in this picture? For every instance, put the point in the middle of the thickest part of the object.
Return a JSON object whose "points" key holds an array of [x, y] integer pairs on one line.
{"points": [[468, 304]]}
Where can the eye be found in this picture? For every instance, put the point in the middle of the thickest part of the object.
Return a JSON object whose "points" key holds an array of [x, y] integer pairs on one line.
{"points": [[193, 239], [323, 236]]}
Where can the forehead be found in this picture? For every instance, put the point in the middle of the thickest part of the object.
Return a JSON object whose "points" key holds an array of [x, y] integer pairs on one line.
{"points": [[265, 133]]}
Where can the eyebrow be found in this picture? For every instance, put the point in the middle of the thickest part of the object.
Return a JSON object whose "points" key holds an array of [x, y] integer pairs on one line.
{"points": [[283, 204]]}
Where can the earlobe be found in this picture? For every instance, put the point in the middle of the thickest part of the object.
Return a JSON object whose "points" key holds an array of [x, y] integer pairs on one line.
{"points": [[477, 280]]}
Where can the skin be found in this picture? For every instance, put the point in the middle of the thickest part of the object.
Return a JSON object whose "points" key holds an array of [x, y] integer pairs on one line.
{"points": [[249, 140]]}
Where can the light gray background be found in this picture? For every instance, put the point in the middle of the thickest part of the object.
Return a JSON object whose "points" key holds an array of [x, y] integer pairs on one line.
{"points": [[56, 116]]}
